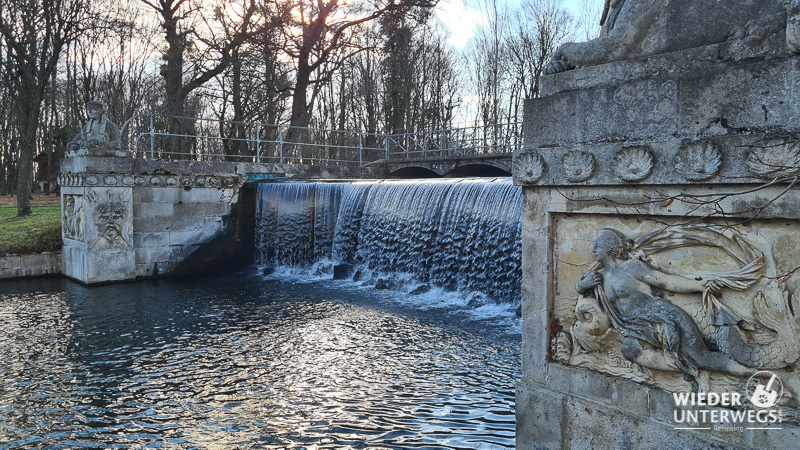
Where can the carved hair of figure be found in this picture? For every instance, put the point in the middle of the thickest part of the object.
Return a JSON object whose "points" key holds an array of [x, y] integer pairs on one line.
{"points": [[618, 245]]}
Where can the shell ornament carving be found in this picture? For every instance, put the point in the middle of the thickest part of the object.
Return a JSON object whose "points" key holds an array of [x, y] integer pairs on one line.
{"points": [[577, 166], [776, 158], [528, 167], [698, 161], [632, 163]]}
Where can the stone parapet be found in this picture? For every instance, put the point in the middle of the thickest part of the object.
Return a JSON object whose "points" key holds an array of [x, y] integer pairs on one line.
{"points": [[124, 219], [27, 266]]}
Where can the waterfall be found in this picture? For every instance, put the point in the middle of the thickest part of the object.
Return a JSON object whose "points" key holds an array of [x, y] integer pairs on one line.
{"points": [[457, 234]]}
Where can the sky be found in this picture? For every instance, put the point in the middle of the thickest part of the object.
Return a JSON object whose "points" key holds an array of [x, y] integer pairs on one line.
{"points": [[462, 20]]}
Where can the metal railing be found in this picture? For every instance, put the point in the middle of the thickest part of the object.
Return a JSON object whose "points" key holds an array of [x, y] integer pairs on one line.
{"points": [[155, 136], [455, 142]]}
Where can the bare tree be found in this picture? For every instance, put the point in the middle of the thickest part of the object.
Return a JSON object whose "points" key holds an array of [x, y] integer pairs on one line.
{"points": [[322, 36], [201, 39], [487, 53], [539, 27], [35, 33], [588, 19]]}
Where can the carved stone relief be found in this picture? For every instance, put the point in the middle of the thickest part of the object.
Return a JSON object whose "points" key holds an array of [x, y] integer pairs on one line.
{"points": [[577, 166], [528, 167], [636, 28], [698, 161], [632, 163], [72, 222], [111, 218], [775, 158], [684, 308], [111, 180]]}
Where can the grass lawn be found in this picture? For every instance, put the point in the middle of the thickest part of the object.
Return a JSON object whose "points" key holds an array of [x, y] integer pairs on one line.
{"points": [[40, 232]]}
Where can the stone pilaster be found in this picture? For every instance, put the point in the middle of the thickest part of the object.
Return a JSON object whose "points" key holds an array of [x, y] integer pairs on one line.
{"points": [[692, 158], [97, 219]]}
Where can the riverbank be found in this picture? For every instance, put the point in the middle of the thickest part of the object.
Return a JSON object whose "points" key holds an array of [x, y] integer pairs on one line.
{"points": [[37, 233], [29, 266], [30, 246]]}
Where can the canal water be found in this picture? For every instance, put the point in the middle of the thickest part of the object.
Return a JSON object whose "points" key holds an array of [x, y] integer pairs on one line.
{"points": [[252, 361]]}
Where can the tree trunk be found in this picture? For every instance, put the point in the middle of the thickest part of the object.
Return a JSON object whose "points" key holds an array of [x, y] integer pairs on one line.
{"points": [[238, 147], [172, 72], [30, 120], [301, 112]]}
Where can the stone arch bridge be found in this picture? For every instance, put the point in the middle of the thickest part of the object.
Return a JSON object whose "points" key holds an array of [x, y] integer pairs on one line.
{"points": [[493, 165]]}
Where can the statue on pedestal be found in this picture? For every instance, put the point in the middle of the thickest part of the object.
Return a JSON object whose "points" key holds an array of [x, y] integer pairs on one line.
{"points": [[99, 136]]}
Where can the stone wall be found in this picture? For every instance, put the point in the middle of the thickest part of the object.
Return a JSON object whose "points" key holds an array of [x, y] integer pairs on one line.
{"points": [[25, 266], [126, 218], [660, 242]]}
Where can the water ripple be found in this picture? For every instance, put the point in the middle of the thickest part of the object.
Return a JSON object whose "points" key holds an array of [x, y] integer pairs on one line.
{"points": [[239, 361]]}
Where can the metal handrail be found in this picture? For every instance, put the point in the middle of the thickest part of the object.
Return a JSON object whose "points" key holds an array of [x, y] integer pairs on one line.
{"points": [[314, 144]]}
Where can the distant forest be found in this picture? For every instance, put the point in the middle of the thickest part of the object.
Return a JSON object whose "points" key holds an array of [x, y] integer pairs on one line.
{"points": [[377, 66]]}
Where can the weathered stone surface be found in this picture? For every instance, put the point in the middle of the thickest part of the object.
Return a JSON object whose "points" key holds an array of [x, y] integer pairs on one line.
{"points": [[689, 148], [153, 209], [536, 287], [24, 266], [540, 417], [591, 426], [83, 165], [637, 28]]}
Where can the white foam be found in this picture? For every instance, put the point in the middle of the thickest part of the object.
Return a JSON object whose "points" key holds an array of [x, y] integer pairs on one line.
{"points": [[476, 305]]}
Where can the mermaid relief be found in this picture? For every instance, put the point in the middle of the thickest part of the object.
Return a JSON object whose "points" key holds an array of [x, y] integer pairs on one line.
{"points": [[657, 334]]}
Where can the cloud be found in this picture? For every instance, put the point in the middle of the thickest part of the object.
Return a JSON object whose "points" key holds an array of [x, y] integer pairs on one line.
{"points": [[460, 20]]}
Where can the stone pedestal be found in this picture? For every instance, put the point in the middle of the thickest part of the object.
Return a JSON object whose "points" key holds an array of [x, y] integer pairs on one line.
{"points": [[97, 219], [693, 158], [125, 218]]}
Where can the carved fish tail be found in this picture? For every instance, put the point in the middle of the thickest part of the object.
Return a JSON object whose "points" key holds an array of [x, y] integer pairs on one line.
{"points": [[771, 311], [776, 355]]}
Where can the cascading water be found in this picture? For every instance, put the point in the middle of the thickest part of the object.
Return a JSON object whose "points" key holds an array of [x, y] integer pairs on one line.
{"points": [[456, 234]]}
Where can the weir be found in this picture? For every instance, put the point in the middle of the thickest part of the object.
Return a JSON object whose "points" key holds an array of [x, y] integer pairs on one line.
{"points": [[455, 234]]}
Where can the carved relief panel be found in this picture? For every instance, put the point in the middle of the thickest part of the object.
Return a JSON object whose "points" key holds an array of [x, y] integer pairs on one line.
{"points": [[111, 217], [686, 308], [72, 220]]}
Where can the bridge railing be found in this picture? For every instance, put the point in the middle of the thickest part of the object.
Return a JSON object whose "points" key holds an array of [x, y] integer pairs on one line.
{"points": [[455, 142], [153, 136]]}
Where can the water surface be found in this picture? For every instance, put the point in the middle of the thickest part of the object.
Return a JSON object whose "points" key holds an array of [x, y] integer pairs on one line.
{"points": [[237, 360]]}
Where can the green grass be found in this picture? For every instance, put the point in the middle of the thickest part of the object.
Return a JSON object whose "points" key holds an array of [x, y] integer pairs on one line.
{"points": [[39, 232]]}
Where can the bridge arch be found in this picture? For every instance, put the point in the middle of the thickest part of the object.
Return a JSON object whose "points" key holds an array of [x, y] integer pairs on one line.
{"points": [[414, 172], [478, 170]]}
